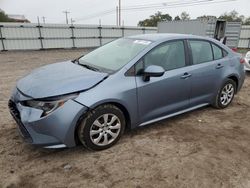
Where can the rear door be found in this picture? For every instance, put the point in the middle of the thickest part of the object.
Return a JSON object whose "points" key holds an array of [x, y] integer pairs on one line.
{"points": [[169, 93], [208, 64]]}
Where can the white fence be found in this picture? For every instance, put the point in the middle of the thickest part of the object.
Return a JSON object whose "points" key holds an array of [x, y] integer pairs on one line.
{"points": [[18, 36]]}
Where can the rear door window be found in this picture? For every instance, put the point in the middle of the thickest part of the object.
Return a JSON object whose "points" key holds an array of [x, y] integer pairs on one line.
{"points": [[201, 51]]}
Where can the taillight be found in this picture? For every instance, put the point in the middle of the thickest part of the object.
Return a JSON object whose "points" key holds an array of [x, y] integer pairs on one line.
{"points": [[242, 60], [234, 49]]}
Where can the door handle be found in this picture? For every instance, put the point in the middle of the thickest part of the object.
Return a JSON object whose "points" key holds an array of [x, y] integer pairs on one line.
{"points": [[219, 66], [185, 75]]}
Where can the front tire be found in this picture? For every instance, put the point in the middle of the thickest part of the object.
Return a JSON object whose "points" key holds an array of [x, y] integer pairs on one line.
{"points": [[225, 95], [102, 127]]}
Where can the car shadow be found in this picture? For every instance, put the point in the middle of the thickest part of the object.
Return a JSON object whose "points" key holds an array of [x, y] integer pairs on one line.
{"points": [[128, 134]]}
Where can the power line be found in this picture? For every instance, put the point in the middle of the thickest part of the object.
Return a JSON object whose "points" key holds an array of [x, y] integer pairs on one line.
{"points": [[163, 5], [182, 4], [96, 14]]}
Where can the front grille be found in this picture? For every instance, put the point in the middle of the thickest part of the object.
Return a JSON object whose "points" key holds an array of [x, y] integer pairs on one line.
{"points": [[16, 115], [13, 110]]}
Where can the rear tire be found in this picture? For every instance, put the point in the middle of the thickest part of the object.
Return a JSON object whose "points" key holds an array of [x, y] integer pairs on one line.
{"points": [[225, 95], [102, 127]]}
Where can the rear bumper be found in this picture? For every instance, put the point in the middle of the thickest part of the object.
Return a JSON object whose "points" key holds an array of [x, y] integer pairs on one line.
{"points": [[56, 129]]}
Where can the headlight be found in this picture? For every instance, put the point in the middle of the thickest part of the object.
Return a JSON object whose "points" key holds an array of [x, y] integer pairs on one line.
{"points": [[49, 105]]}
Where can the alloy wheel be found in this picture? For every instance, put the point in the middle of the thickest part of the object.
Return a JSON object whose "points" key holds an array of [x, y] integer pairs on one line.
{"points": [[105, 129], [227, 94]]}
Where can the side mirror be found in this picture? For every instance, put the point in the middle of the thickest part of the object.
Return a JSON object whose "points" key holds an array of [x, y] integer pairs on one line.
{"points": [[152, 71]]}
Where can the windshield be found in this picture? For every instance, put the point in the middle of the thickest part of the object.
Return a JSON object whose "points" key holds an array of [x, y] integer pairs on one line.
{"points": [[114, 55]]}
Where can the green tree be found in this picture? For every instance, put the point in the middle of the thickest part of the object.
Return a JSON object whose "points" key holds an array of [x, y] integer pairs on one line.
{"points": [[247, 21], [185, 16], [232, 16], [154, 19], [206, 17], [4, 17], [176, 18]]}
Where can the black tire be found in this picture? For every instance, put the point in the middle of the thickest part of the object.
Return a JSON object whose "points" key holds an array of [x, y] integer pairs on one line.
{"points": [[218, 102], [87, 125]]}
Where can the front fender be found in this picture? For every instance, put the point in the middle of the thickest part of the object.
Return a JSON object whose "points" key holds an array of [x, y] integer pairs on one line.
{"points": [[115, 89]]}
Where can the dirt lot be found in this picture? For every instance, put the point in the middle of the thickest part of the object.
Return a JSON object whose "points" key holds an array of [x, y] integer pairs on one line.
{"points": [[204, 148]]}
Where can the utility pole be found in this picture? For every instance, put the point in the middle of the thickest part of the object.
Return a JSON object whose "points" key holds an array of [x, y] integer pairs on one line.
{"points": [[43, 19], [72, 21], [117, 15], [119, 12], [38, 21], [66, 13]]}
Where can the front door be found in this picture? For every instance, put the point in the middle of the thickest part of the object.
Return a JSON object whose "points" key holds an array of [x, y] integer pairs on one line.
{"points": [[161, 96]]}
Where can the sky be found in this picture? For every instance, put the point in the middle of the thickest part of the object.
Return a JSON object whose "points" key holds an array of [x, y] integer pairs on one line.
{"points": [[80, 10]]}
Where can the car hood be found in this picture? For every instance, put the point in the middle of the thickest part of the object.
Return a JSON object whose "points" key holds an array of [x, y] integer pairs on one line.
{"points": [[59, 79]]}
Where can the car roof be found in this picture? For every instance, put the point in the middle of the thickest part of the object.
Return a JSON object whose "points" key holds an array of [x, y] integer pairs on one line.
{"points": [[162, 37], [165, 36]]}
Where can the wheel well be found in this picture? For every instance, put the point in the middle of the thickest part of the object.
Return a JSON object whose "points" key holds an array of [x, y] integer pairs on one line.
{"points": [[125, 112], [118, 105], [235, 79]]}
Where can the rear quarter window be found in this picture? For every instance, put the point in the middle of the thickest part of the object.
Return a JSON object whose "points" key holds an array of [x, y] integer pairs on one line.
{"points": [[225, 53], [218, 52]]}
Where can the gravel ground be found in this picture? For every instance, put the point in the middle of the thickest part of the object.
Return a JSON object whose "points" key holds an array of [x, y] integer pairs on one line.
{"points": [[203, 148]]}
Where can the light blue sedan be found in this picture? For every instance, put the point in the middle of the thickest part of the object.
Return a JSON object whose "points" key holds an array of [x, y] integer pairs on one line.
{"points": [[130, 82]]}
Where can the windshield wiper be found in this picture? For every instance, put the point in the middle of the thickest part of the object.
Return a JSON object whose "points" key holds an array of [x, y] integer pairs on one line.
{"points": [[89, 67], [75, 61], [85, 65]]}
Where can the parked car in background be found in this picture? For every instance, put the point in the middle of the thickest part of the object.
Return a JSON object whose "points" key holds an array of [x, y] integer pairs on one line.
{"points": [[127, 83], [247, 61]]}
